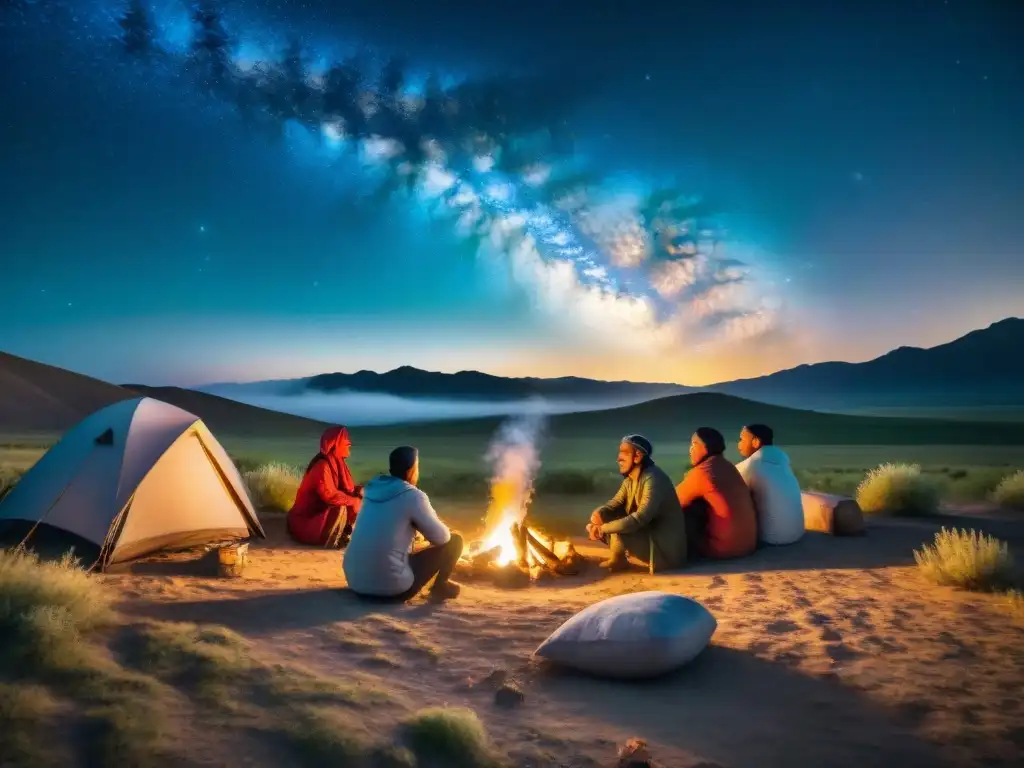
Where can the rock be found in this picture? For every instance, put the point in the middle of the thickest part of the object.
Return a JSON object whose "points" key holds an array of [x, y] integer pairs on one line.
{"points": [[496, 678], [634, 754], [509, 695]]}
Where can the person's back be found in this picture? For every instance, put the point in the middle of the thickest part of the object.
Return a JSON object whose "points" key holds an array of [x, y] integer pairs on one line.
{"points": [[731, 521], [377, 559], [776, 493]]}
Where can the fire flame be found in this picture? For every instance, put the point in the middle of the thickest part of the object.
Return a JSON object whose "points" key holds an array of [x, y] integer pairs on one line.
{"points": [[514, 459]]}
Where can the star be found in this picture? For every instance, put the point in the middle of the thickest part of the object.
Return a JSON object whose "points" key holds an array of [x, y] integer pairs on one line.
{"points": [[857, 176], [647, 77], [202, 228]]}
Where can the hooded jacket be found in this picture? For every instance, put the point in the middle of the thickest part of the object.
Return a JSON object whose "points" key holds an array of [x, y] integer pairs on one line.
{"points": [[376, 561], [776, 492], [326, 487]]}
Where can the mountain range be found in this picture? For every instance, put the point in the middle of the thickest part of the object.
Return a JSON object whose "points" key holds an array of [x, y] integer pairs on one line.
{"points": [[982, 368]]}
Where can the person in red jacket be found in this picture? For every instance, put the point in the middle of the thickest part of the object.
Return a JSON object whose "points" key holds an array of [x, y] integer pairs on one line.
{"points": [[328, 500], [721, 520]]}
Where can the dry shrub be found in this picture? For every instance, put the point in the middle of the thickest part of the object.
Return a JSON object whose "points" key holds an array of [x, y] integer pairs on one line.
{"points": [[451, 736], [1010, 491], [25, 712], [273, 486], [966, 559], [898, 489], [45, 608]]}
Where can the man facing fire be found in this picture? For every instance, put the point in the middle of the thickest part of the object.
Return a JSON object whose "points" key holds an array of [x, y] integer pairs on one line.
{"points": [[644, 519]]}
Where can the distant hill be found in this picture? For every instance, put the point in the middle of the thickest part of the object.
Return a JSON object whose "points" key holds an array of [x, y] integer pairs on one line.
{"points": [[985, 368], [35, 397], [407, 381], [38, 398], [981, 369], [674, 419]]}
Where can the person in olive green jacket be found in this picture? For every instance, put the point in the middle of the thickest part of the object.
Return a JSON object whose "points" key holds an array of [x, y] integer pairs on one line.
{"points": [[644, 518]]}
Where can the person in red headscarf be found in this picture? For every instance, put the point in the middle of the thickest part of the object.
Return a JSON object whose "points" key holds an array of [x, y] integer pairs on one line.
{"points": [[328, 500]]}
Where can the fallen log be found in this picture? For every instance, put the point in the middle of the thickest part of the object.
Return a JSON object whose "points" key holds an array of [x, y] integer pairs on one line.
{"points": [[835, 515]]}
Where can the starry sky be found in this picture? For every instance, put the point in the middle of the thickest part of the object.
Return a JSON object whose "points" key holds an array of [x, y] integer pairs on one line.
{"points": [[688, 192]]}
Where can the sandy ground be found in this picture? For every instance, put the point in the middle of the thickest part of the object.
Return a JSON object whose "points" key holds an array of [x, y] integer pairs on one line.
{"points": [[832, 652]]}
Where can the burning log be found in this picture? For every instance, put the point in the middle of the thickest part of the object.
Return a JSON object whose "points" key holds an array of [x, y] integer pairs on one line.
{"points": [[485, 558], [520, 538]]}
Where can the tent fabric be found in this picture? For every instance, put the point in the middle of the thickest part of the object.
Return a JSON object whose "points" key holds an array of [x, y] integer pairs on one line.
{"points": [[158, 480], [633, 636], [776, 492]]}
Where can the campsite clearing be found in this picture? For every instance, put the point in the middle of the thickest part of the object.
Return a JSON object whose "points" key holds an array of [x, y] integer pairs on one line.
{"points": [[830, 652]]}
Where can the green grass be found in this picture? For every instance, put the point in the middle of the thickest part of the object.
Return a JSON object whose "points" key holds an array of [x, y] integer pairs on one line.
{"points": [[78, 685], [1010, 491], [966, 559], [272, 486], [450, 736]]}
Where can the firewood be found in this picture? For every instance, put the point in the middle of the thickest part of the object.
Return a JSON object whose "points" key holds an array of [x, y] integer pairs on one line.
{"points": [[546, 554], [520, 535], [486, 557]]}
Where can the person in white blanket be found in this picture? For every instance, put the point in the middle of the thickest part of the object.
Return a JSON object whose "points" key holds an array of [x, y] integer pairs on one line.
{"points": [[776, 491]]}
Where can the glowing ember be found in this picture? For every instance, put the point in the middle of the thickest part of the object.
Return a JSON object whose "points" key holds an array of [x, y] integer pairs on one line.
{"points": [[502, 537]]}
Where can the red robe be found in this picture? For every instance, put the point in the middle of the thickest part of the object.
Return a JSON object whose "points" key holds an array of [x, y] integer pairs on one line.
{"points": [[732, 522], [326, 491]]}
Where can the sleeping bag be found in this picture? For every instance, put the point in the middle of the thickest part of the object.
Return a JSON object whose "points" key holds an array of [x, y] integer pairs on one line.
{"points": [[639, 635]]}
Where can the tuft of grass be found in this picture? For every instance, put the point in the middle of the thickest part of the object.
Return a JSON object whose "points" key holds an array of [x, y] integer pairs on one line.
{"points": [[452, 736], [208, 658], [9, 477], [25, 714], [321, 735], [1010, 491], [130, 732], [45, 609], [273, 486], [898, 489], [966, 559]]}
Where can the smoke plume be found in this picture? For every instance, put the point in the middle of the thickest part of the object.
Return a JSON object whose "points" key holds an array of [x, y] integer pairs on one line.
{"points": [[514, 456]]}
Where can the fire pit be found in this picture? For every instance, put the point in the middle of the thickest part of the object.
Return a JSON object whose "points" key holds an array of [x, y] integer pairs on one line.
{"points": [[518, 555], [514, 553]]}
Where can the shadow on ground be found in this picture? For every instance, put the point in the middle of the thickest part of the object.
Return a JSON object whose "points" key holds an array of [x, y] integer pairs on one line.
{"points": [[775, 713]]}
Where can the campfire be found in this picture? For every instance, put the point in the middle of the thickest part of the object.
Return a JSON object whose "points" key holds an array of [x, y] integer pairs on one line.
{"points": [[513, 552]]}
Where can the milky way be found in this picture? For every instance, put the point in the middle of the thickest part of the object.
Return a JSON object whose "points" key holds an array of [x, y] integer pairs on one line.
{"points": [[492, 155]]}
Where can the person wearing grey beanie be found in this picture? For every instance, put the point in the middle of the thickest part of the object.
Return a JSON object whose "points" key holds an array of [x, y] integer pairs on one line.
{"points": [[644, 520]]}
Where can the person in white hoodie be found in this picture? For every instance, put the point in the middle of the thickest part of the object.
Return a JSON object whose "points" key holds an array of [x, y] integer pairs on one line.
{"points": [[776, 491], [377, 562]]}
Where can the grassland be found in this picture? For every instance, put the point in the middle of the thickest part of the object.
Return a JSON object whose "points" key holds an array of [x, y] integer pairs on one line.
{"points": [[830, 452]]}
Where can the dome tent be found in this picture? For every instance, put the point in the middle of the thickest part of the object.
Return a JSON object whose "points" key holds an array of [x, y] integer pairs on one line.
{"points": [[131, 479]]}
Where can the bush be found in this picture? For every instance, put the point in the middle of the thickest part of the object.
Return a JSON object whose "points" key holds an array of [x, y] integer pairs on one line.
{"points": [[898, 489], [273, 486], [1010, 491], [454, 736], [966, 559], [44, 608]]}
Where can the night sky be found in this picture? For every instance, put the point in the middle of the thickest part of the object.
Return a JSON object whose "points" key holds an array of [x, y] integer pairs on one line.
{"points": [[843, 178]]}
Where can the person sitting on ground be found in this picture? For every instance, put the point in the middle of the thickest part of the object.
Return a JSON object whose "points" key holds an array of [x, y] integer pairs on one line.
{"points": [[378, 562], [328, 500], [643, 519], [774, 487], [718, 506]]}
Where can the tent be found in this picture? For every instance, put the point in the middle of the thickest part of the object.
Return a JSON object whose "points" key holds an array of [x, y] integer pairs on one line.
{"points": [[131, 479]]}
